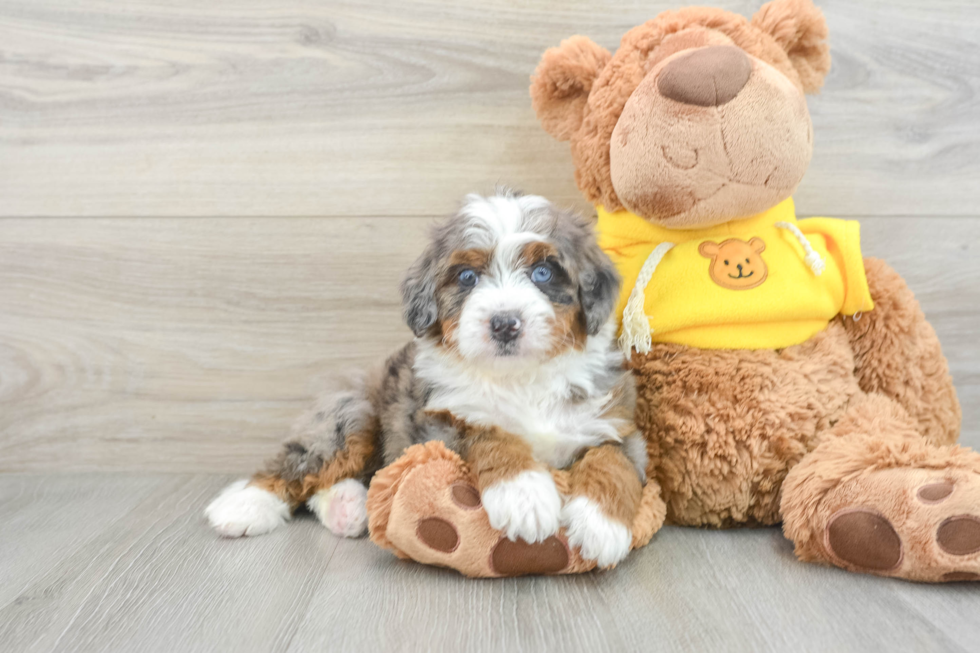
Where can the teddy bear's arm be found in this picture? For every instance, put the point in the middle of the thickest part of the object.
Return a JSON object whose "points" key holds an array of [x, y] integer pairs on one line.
{"points": [[896, 349]]}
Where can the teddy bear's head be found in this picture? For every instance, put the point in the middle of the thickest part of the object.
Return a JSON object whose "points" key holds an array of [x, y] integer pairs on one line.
{"points": [[697, 119]]}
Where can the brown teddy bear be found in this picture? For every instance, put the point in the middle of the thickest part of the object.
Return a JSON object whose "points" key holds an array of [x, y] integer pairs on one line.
{"points": [[781, 376]]}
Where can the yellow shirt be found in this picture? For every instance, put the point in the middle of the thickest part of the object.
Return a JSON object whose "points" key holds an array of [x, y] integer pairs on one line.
{"points": [[745, 284]]}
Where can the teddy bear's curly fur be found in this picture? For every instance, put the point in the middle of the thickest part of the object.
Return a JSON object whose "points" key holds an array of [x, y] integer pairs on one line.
{"points": [[846, 438]]}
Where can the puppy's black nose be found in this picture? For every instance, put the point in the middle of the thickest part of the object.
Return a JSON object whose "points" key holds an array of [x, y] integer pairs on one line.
{"points": [[505, 327]]}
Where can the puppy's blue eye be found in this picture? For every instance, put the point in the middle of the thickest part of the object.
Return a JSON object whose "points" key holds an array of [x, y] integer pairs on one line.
{"points": [[468, 278], [541, 274]]}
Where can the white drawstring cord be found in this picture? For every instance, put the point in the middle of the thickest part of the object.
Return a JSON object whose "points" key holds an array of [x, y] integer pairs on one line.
{"points": [[636, 324], [812, 258]]}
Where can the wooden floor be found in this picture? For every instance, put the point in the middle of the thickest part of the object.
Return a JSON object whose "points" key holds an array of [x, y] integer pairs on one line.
{"points": [[126, 563], [205, 208]]}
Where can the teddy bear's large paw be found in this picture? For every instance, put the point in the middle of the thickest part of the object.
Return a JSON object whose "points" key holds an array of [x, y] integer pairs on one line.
{"points": [[597, 537], [526, 507], [919, 524], [425, 506]]}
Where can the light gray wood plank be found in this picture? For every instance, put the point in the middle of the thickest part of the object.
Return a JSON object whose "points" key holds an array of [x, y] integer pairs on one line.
{"points": [[159, 580], [40, 523], [897, 126], [947, 607], [689, 590], [192, 344], [420, 608], [162, 581], [385, 107]]}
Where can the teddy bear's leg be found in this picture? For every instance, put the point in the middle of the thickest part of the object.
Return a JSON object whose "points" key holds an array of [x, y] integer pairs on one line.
{"points": [[897, 354], [875, 497], [426, 506]]}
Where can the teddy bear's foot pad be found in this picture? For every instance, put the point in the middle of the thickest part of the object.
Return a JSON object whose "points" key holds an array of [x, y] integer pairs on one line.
{"points": [[911, 523], [438, 534], [519, 558], [864, 539]]}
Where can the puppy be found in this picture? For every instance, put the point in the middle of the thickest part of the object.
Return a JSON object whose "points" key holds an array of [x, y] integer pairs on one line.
{"points": [[514, 365]]}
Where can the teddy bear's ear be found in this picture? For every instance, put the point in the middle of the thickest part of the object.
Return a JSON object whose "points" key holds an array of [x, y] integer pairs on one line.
{"points": [[561, 84], [800, 29]]}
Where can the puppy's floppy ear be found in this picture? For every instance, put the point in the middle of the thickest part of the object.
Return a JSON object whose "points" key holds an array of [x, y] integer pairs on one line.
{"points": [[562, 82], [598, 288], [801, 30], [419, 293]]}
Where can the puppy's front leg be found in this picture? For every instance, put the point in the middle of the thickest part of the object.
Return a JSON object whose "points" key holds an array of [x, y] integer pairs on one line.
{"points": [[605, 495], [518, 493]]}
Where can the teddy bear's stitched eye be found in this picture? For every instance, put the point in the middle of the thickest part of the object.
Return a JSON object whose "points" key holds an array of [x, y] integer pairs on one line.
{"points": [[746, 260], [726, 261]]}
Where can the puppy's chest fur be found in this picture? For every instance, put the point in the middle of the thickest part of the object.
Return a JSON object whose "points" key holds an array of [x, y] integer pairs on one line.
{"points": [[560, 408]]}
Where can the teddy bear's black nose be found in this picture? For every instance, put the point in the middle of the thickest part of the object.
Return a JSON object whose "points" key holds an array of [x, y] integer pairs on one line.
{"points": [[706, 77]]}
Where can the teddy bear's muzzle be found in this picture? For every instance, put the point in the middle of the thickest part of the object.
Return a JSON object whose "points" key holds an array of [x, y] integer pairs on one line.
{"points": [[709, 133]]}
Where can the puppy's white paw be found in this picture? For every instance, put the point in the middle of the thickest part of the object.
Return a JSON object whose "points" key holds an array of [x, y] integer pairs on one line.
{"points": [[341, 508], [597, 537], [243, 509], [527, 506]]}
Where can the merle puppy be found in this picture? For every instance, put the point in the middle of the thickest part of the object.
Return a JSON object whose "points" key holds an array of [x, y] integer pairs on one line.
{"points": [[510, 305]]}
